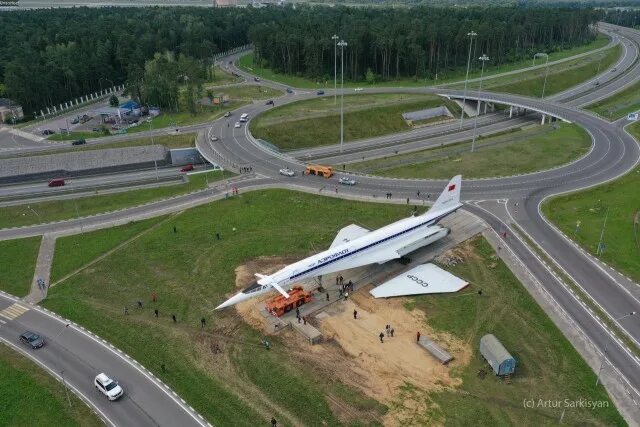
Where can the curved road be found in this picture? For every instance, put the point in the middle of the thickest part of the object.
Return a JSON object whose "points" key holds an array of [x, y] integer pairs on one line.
{"points": [[613, 153]]}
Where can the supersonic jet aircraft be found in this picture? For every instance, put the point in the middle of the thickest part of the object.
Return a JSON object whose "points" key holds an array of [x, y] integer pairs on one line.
{"points": [[355, 246]]}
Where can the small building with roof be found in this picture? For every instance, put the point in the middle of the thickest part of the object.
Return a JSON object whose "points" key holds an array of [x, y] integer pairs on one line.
{"points": [[496, 355]]}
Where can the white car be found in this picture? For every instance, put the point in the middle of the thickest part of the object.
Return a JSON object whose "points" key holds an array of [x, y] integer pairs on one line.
{"points": [[108, 387], [237, 125], [358, 89], [347, 181], [214, 138], [287, 172]]}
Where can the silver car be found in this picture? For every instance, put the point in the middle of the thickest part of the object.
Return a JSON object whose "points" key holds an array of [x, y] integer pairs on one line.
{"points": [[287, 172], [347, 181]]}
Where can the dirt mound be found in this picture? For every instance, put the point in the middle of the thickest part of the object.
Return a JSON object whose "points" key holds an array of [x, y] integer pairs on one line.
{"points": [[397, 372], [383, 370]]}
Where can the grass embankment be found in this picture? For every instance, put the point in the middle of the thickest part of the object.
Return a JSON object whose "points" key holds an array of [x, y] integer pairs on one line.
{"points": [[561, 76], [31, 397], [246, 63], [618, 105], [102, 242], [18, 260], [205, 113], [250, 92], [220, 77], [548, 367], [192, 272], [56, 210], [522, 151], [621, 238], [316, 122]]}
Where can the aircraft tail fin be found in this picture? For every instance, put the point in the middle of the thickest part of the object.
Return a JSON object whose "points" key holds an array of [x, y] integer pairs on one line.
{"points": [[450, 196]]}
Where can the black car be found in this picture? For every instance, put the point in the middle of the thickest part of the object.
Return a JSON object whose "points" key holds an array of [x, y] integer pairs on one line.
{"points": [[79, 142], [32, 339], [269, 102], [320, 92], [256, 79], [48, 132]]}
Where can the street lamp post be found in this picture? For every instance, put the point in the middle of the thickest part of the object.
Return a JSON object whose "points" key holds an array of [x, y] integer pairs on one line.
{"points": [[484, 58], [471, 35], [155, 161], [335, 68], [604, 353], [342, 45], [546, 70]]}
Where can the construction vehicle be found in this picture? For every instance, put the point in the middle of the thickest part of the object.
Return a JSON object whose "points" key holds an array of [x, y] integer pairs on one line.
{"points": [[326, 171], [280, 305]]}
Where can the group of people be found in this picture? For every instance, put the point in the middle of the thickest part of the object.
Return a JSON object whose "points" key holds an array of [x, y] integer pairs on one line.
{"points": [[388, 331]]}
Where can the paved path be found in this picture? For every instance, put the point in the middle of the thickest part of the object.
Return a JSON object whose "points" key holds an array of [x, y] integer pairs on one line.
{"points": [[43, 269]]}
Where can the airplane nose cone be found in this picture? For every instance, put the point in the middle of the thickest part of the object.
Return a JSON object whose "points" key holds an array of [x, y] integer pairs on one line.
{"points": [[233, 300]]}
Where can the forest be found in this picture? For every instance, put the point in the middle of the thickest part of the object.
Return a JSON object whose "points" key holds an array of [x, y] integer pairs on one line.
{"points": [[416, 42], [624, 17], [50, 56]]}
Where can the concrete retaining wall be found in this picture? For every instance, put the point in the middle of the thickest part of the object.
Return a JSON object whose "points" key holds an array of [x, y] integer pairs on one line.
{"points": [[74, 163]]}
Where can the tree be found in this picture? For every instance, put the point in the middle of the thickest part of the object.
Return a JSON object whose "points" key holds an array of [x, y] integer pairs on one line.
{"points": [[114, 101], [370, 77]]}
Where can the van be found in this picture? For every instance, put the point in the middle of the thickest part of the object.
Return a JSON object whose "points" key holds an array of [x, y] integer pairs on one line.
{"points": [[56, 182], [244, 117]]}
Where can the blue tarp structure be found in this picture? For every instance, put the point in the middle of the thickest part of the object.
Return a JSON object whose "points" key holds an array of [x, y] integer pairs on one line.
{"points": [[130, 105]]}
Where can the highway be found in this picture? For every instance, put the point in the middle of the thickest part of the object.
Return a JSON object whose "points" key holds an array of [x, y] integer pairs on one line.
{"points": [[503, 203], [77, 356]]}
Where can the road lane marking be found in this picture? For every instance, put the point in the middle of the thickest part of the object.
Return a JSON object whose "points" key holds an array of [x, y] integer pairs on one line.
{"points": [[13, 311]]}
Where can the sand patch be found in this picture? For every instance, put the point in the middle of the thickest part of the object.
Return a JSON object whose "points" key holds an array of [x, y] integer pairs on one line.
{"points": [[398, 372]]}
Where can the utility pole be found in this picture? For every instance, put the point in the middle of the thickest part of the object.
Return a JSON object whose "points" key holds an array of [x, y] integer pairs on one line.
{"points": [[604, 353], [335, 68], [599, 248], [484, 58], [471, 35], [155, 161], [546, 70], [342, 45]]}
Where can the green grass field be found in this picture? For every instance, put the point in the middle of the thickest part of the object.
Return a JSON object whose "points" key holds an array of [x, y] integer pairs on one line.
{"points": [[523, 151], [191, 272], [618, 105], [317, 121], [634, 130], [247, 93], [18, 261], [205, 113], [621, 199], [29, 396], [506, 310], [221, 77], [246, 63], [561, 76], [15, 216]]}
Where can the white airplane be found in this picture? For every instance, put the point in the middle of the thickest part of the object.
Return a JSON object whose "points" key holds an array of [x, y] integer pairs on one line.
{"points": [[355, 246]]}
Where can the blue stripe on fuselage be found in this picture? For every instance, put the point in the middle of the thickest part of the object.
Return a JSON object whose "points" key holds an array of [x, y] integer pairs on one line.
{"points": [[386, 239]]}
